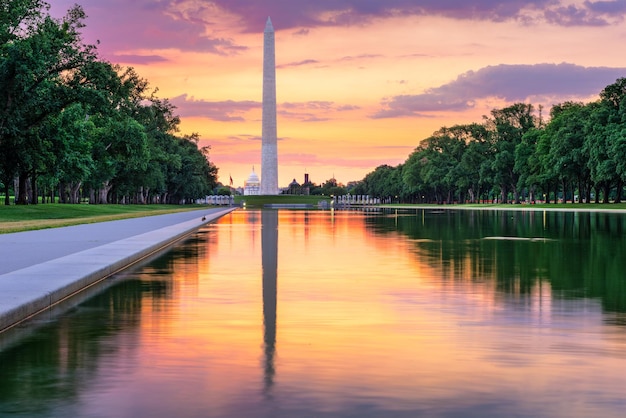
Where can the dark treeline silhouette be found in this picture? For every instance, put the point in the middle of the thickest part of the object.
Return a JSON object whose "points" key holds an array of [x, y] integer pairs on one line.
{"points": [[578, 155], [74, 127]]}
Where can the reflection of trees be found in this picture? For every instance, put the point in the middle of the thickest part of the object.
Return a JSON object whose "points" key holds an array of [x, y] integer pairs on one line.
{"points": [[56, 360], [580, 254], [51, 363]]}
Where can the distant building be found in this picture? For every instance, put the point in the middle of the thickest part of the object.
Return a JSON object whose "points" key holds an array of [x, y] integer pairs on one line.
{"points": [[252, 186], [306, 186], [294, 188]]}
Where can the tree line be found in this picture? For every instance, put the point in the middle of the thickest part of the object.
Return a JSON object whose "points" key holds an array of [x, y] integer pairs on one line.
{"points": [[74, 127], [514, 155]]}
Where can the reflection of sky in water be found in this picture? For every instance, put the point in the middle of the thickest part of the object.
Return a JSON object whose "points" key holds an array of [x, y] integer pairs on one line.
{"points": [[311, 314]]}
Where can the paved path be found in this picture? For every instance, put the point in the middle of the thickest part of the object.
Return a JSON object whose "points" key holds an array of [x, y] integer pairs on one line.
{"points": [[40, 268]]}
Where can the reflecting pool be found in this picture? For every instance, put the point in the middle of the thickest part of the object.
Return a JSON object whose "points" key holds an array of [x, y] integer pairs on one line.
{"points": [[345, 314]]}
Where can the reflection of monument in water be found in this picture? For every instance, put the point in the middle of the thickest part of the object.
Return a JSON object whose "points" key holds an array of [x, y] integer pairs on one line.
{"points": [[269, 250], [269, 151]]}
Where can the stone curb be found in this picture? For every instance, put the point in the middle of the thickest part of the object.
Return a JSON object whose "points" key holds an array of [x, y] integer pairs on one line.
{"points": [[33, 290]]}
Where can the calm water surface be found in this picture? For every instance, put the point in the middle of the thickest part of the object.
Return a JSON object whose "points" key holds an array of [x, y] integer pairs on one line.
{"points": [[346, 314]]}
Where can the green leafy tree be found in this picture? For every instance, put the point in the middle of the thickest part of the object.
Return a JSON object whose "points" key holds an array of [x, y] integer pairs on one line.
{"points": [[602, 166], [471, 153], [440, 162], [385, 182], [40, 61], [508, 126], [161, 124], [70, 160], [411, 178], [567, 157], [527, 163], [331, 188], [119, 151], [614, 98]]}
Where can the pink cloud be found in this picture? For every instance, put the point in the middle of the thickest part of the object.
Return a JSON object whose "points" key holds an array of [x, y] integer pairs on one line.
{"points": [[122, 25], [313, 13], [224, 111], [509, 82]]}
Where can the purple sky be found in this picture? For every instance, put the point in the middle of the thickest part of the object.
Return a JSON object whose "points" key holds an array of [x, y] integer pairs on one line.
{"points": [[359, 82]]}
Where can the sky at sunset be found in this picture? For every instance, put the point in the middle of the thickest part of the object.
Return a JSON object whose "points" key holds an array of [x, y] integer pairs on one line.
{"points": [[359, 83]]}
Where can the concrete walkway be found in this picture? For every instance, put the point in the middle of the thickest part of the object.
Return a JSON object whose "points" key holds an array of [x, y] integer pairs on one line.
{"points": [[39, 269]]}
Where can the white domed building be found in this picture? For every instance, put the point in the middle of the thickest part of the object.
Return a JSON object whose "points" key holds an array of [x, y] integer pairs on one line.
{"points": [[252, 186]]}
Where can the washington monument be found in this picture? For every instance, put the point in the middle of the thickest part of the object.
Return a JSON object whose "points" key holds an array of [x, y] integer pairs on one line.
{"points": [[269, 154]]}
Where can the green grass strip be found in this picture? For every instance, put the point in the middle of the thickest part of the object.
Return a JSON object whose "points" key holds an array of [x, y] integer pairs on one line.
{"points": [[31, 217]]}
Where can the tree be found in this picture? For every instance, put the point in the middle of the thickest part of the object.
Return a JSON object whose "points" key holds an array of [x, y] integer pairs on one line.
{"points": [[411, 177], [84, 124], [196, 176], [331, 188], [440, 158], [508, 126], [70, 161], [567, 157], [40, 62], [583, 146], [602, 164], [474, 147], [119, 152], [614, 97], [528, 164], [384, 182]]}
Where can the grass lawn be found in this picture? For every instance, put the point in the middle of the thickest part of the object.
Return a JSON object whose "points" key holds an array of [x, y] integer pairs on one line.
{"points": [[569, 206], [23, 218], [284, 199]]}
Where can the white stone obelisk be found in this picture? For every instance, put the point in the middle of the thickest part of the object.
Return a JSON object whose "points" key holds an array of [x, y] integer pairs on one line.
{"points": [[269, 151]]}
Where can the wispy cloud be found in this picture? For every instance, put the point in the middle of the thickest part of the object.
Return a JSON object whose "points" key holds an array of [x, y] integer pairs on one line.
{"points": [[321, 64], [360, 57], [339, 162], [155, 25], [244, 138], [315, 13], [313, 111], [137, 59], [508, 82], [224, 111], [298, 63], [572, 15], [191, 25], [235, 111]]}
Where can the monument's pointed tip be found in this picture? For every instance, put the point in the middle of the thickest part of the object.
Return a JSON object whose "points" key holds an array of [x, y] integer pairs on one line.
{"points": [[268, 25]]}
